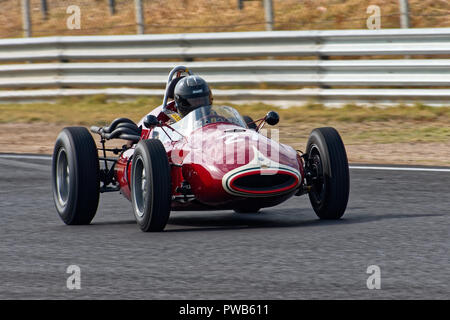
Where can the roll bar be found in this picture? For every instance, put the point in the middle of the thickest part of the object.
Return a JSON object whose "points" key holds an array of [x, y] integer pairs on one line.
{"points": [[177, 70]]}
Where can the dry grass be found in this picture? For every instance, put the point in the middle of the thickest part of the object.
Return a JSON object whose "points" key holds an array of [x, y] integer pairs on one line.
{"points": [[176, 16], [405, 135]]}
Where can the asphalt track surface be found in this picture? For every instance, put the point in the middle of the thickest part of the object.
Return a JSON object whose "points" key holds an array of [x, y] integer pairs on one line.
{"points": [[396, 219]]}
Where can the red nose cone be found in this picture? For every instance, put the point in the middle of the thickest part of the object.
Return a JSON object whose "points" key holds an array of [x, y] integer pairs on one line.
{"points": [[261, 177]]}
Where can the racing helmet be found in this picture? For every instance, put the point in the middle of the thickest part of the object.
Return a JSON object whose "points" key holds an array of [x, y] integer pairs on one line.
{"points": [[190, 93]]}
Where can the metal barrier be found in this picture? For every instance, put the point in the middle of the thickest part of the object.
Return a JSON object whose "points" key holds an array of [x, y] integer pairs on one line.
{"points": [[68, 71], [399, 73]]}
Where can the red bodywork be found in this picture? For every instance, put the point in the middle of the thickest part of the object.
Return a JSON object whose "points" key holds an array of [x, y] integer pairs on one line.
{"points": [[225, 165]]}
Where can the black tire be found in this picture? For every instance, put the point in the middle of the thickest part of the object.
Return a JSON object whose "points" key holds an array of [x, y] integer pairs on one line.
{"points": [[246, 209], [327, 160], [249, 121], [75, 176], [151, 209]]}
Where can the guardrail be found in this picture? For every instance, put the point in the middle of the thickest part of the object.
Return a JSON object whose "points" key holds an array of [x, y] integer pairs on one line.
{"points": [[282, 72], [238, 45], [230, 44]]}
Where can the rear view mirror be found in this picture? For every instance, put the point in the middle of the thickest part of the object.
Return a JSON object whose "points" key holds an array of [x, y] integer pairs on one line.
{"points": [[151, 121], [272, 118]]}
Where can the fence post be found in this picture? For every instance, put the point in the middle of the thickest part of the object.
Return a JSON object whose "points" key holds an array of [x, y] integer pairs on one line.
{"points": [[44, 9], [139, 16], [404, 13], [268, 8], [26, 19], [240, 4], [112, 7]]}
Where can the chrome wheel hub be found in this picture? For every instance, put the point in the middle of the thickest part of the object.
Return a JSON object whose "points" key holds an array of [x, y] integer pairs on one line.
{"points": [[62, 177], [140, 188]]}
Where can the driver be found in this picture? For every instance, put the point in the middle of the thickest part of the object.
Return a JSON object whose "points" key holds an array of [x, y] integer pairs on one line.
{"points": [[190, 93]]}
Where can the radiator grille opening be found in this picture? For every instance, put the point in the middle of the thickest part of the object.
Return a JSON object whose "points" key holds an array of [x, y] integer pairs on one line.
{"points": [[258, 182]]}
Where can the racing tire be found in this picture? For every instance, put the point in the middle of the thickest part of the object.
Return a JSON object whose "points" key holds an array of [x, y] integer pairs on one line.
{"points": [[75, 176], [249, 121], [329, 177], [151, 185]]}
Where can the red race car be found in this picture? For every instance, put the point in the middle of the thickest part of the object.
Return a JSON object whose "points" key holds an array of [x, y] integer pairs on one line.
{"points": [[211, 159]]}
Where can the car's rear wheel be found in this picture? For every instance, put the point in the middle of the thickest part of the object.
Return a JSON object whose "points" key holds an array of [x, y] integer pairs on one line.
{"points": [[75, 176], [151, 185], [327, 173], [249, 121]]}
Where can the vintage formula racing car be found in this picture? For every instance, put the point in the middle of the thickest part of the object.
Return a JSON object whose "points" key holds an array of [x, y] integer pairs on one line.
{"points": [[211, 159]]}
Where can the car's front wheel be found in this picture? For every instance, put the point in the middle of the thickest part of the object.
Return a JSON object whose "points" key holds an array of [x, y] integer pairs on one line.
{"points": [[151, 185], [327, 173]]}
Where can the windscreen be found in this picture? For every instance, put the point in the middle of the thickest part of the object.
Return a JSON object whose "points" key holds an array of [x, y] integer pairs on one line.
{"points": [[198, 118], [212, 114]]}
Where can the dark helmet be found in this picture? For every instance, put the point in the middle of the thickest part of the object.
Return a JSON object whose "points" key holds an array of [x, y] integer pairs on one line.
{"points": [[190, 93]]}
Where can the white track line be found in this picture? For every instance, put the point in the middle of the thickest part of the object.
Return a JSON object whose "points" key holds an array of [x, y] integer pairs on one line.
{"points": [[24, 165], [399, 168], [45, 157], [31, 157]]}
